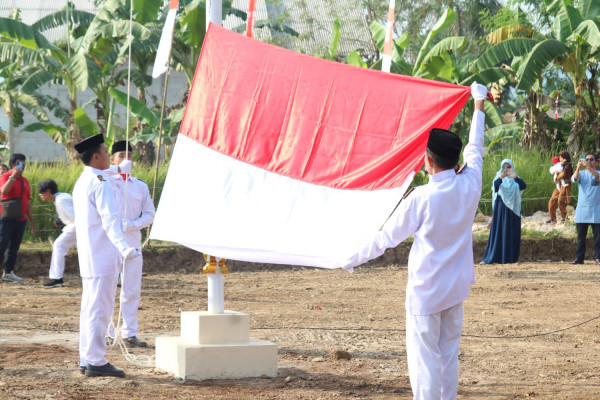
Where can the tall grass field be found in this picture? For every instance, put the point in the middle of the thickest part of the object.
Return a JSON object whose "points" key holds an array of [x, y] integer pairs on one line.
{"points": [[65, 176], [532, 166]]}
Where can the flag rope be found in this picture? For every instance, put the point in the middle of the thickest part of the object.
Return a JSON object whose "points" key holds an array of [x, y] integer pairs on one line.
{"points": [[141, 360]]}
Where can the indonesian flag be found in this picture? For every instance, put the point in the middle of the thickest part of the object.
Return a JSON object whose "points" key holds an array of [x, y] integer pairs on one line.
{"points": [[291, 159], [166, 39]]}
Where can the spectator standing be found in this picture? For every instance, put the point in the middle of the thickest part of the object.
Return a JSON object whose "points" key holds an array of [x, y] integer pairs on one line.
{"points": [[561, 195], [14, 186], [504, 243], [48, 191], [3, 169], [588, 205]]}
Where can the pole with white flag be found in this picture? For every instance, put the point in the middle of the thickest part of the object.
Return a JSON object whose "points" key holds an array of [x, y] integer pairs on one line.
{"points": [[161, 65], [386, 62]]}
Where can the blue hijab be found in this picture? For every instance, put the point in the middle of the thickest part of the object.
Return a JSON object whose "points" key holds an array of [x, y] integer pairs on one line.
{"points": [[509, 190]]}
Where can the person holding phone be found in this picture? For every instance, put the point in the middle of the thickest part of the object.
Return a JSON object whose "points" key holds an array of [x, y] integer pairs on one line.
{"points": [[587, 212], [504, 243], [14, 185]]}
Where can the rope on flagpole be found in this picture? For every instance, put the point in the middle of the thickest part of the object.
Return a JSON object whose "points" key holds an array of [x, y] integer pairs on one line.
{"points": [[140, 360]]}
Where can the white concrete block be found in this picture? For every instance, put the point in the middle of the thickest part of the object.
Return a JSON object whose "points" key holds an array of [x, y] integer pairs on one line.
{"points": [[221, 361], [202, 327]]}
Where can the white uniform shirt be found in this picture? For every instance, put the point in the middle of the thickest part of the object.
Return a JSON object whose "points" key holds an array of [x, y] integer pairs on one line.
{"points": [[140, 208], [64, 208], [100, 240], [440, 215]]}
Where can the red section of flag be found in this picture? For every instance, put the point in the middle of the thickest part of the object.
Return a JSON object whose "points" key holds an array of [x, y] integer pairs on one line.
{"points": [[173, 4], [310, 119]]}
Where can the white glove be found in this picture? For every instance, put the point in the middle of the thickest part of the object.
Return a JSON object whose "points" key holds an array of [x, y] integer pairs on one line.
{"points": [[131, 253], [112, 170], [127, 226], [479, 92], [126, 166]]}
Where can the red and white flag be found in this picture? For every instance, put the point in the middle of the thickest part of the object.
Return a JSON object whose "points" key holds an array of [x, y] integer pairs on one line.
{"points": [[387, 44], [250, 18], [166, 39], [287, 158]]}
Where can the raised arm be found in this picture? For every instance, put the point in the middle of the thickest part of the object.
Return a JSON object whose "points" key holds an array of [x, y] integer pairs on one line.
{"points": [[473, 152]]}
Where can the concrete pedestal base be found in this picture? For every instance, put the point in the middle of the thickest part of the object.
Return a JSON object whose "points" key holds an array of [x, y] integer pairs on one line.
{"points": [[215, 346]]}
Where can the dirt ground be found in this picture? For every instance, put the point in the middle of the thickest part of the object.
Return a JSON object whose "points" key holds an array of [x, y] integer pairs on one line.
{"points": [[311, 312]]}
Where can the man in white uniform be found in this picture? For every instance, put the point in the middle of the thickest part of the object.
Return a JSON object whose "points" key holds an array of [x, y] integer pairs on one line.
{"points": [[137, 212], [101, 247], [440, 265], [48, 191]]}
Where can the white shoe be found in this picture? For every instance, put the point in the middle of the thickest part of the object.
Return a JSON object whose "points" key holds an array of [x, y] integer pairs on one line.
{"points": [[11, 277]]}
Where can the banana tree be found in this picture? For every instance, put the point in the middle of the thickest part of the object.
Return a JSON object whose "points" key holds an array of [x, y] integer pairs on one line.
{"points": [[21, 43], [573, 44], [13, 99]]}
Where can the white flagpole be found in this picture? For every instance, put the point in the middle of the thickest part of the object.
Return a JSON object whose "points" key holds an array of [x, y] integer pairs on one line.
{"points": [[386, 62], [215, 267]]}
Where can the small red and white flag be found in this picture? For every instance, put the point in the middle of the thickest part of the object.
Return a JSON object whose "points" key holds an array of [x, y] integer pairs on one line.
{"points": [[386, 62], [287, 158], [166, 39], [250, 18]]}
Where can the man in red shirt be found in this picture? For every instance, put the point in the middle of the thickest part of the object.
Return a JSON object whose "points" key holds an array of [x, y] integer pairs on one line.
{"points": [[14, 185]]}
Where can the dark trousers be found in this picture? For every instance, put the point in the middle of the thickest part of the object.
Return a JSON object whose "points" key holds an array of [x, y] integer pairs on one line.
{"points": [[582, 229], [11, 234]]}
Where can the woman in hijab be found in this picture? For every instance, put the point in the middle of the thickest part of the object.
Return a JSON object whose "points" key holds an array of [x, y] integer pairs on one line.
{"points": [[504, 243], [562, 193]]}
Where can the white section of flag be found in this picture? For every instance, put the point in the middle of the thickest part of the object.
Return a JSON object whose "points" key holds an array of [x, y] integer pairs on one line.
{"points": [[164, 46], [220, 206]]}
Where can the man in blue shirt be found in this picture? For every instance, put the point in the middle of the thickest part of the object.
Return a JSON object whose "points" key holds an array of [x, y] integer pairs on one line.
{"points": [[588, 205]]}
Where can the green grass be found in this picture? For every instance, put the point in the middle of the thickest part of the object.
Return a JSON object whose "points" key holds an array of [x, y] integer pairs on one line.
{"points": [[65, 176]]}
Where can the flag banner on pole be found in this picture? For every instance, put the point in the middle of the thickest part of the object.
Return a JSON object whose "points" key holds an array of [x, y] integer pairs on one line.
{"points": [[291, 159], [166, 39], [251, 17], [386, 62]]}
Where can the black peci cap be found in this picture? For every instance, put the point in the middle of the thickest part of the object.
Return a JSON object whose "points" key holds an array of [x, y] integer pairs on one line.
{"points": [[120, 146], [88, 143], [444, 143]]}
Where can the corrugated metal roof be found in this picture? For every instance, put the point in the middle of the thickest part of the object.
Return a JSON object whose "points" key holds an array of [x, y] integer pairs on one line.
{"points": [[33, 10], [312, 19]]}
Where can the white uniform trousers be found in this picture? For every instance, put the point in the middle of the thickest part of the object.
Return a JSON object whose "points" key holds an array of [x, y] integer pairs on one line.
{"points": [[97, 306], [60, 249], [432, 343], [131, 288]]}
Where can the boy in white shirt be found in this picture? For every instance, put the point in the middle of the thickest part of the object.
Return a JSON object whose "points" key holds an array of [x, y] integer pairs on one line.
{"points": [[48, 191]]}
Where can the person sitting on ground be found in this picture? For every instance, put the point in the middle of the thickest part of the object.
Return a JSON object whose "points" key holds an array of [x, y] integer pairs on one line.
{"points": [[48, 191], [504, 243], [587, 211], [13, 186], [563, 170]]}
